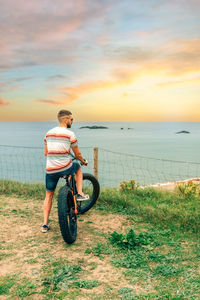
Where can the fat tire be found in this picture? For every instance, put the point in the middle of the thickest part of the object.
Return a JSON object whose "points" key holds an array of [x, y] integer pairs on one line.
{"points": [[66, 216], [95, 194]]}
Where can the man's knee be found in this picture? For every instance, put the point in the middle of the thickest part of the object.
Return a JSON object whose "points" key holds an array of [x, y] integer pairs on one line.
{"points": [[78, 170], [76, 166], [49, 195]]}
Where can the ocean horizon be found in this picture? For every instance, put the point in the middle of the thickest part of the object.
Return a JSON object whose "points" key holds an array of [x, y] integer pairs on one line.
{"points": [[150, 139], [148, 152]]}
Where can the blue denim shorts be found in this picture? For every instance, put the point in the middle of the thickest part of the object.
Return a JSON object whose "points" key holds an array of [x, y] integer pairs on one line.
{"points": [[52, 179]]}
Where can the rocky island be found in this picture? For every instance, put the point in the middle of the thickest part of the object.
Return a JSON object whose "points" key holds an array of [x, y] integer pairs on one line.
{"points": [[127, 128], [94, 127], [183, 131]]}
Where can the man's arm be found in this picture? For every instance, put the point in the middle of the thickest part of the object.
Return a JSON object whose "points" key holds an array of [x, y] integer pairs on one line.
{"points": [[45, 150], [79, 156]]}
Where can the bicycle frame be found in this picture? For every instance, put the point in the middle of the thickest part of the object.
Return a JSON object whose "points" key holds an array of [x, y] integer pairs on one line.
{"points": [[71, 183]]}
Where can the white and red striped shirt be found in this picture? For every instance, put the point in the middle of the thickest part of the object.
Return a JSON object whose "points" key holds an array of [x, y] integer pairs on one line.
{"points": [[59, 140]]}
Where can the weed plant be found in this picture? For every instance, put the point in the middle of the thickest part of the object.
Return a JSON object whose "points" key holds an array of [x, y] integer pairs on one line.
{"points": [[130, 240]]}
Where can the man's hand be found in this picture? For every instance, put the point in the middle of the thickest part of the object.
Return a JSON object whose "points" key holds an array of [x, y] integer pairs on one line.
{"points": [[85, 163]]}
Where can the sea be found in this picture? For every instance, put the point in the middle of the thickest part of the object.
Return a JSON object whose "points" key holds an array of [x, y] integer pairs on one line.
{"points": [[170, 141], [151, 139]]}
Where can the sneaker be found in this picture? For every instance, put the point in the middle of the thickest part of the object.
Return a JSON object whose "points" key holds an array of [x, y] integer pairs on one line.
{"points": [[45, 228], [82, 197]]}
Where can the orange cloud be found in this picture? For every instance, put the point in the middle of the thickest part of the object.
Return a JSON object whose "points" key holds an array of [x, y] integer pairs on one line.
{"points": [[3, 102], [74, 93], [177, 82], [123, 77], [61, 31], [174, 58], [45, 101], [180, 56]]}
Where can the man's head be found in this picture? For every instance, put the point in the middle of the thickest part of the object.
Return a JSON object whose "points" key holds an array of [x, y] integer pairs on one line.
{"points": [[65, 118]]}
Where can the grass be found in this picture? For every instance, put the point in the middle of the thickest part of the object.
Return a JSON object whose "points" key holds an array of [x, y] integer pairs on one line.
{"points": [[130, 246], [170, 209]]}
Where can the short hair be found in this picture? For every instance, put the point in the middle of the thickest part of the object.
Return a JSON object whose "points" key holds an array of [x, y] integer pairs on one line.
{"points": [[63, 113]]}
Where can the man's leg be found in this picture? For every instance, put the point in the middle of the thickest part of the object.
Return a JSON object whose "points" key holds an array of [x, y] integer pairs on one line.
{"points": [[47, 206], [79, 184], [79, 181]]}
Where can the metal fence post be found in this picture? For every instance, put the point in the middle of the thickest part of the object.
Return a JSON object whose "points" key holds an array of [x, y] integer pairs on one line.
{"points": [[95, 162]]}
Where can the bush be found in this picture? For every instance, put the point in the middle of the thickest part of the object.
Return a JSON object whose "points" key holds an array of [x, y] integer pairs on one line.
{"points": [[190, 189], [128, 186]]}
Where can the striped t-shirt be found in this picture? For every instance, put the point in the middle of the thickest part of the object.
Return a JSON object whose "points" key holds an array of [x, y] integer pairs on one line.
{"points": [[59, 140]]}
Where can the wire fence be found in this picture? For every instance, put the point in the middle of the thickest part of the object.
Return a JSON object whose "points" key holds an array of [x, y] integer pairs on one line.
{"points": [[27, 164], [116, 167]]}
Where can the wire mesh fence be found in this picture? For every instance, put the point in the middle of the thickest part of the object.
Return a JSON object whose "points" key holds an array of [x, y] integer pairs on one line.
{"points": [[27, 164], [116, 167]]}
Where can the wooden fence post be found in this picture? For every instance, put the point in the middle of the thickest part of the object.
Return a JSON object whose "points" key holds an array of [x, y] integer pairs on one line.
{"points": [[95, 162]]}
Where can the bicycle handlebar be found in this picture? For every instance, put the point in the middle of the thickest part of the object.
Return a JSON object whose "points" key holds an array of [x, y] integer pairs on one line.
{"points": [[74, 158]]}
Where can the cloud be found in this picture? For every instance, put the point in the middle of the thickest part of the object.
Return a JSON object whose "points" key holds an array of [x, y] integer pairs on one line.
{"points": [[57, 76], [175, 57], [10, 85], [22, 78], [176, 60], [45, 32], [4, 102], [178, 82], [45, 101], [74, 93], [70, 94], [181, 56], [144, 34], [130, 54]]}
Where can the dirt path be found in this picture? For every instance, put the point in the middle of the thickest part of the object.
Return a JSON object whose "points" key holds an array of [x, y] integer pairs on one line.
{"points": [[26, 251]]}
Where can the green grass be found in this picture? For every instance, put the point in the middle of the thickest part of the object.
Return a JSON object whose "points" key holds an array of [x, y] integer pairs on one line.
{"points": [[62, 277], [20, 287], [168, 209], [160, 258], [156, 248], [86, 284], [9, 187]]}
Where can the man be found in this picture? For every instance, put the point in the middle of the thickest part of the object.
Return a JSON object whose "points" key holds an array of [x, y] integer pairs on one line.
{"points": [[57, 144]]}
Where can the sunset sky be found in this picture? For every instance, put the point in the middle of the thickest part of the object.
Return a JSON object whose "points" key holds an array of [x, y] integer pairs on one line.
{"points": [[107, 60]]}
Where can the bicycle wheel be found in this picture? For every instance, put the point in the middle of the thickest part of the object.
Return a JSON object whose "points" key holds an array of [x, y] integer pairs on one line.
{"points": [[92, 188], [66, 215]]}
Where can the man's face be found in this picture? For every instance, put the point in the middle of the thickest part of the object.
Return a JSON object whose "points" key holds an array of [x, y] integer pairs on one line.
{"points": [[69, 121]]}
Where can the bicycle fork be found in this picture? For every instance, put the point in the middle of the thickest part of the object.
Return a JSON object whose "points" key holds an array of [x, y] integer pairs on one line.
{"points": [[74, 192], [75, 204]]}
